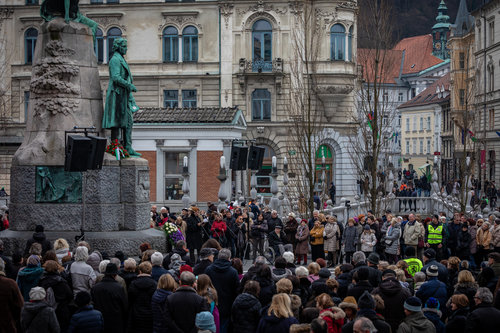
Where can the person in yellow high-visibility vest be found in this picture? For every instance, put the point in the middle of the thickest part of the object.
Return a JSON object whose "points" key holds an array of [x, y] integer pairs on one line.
{"points": [[435, 237]]}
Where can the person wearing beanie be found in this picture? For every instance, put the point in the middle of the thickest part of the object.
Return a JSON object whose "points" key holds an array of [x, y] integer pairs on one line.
{"points": [[185, 268], [37, 315], [366, 309], [433, 287], [350, 307], [431, 311], [414, 264], [83, 276], [205, 322], [429, 260], [29, 276], [415, 320], [110, 299], [206, 259], [40, 238], [394, 296], [86, 319], [158, 270]]}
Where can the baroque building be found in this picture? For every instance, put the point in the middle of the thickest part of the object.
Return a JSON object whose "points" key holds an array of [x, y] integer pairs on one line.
{"points": [[202, 58]]}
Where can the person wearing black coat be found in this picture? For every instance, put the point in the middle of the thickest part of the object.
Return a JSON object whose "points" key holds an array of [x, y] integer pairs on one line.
{"points": [[206, 259], [193, 234], [86, 319], [457, 320], [226, 281], [266, 283], [245, 312], [463, 243], [158, 302], [485, 318], [61, 290], [429, 260], [109, 297], [394, 296], [140, 292], [344, 280], [183, 305], [374, 275], [362, 284], [40, 238], [366, 305]]}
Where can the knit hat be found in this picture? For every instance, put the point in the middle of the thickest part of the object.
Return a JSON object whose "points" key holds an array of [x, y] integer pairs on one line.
{"points": [[37, 294], [82, 298], [349, 302], [367, 227], [366, 301], [94, 260], [111, 269], [205, 321], [410, 251], [432, 270], [324, 273], [321, 262], [430, 253], [205, 253], [185, 268], [388, 272], [373, 258], [39, 228], [413, 304], [432, 303], [33, 260]]}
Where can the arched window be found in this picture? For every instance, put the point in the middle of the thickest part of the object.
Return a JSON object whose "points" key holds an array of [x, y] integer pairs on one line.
{"points": [[113, 33], [338, 42], [349, 43], [261, 104], [99, 46], [30, 37], [264, 178], [190, 44], [262, 45], [170, 45]]}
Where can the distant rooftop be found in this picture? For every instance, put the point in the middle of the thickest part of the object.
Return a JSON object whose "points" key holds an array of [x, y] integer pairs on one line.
{"points": [[437, 92], [201, 115]]}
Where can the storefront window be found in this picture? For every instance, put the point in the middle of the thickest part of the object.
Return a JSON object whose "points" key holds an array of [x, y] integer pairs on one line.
{"points": [[173, 175]]}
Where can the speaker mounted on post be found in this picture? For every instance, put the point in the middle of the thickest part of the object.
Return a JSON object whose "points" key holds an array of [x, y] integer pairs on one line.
{"points": [[255, 157]]}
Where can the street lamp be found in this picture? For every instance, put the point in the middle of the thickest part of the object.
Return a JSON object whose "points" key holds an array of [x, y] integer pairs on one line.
{"points": [[186, 200]]}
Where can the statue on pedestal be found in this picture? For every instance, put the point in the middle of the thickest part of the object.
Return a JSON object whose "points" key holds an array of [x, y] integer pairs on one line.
{"points": [[120, 104], [68, 9]]}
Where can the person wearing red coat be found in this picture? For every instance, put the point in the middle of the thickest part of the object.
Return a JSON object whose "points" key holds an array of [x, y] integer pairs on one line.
{"points": [[333, 316], [219, 227]]}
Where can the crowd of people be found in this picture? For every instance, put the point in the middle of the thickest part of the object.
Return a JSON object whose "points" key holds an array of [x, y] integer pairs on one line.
{"points": [[366, 274]]}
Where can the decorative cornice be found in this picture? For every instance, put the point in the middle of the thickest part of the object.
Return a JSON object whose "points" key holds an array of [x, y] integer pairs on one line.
{"points": [[193, 13], [261, 7], [348, 5], [106, 20], [179, 19], [6, 13]]}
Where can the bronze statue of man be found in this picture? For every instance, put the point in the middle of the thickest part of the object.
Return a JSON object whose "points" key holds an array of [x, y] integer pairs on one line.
{"points": [[120, 104]]}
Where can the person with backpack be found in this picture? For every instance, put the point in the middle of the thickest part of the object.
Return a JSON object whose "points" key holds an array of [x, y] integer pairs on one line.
{"points": [[58, 293]]}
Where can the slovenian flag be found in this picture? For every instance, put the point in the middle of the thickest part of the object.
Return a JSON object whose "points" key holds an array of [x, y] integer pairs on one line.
{"points": [[472, 137]]}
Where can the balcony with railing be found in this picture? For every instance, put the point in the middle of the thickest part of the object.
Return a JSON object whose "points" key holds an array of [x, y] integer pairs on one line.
{"points": [[258, 67]]}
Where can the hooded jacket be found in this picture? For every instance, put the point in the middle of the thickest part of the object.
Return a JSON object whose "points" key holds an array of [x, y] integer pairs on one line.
{"points": [[434, 315], [226, 281], [62, 294], [334, 318], [245, 313], [28, 278], [394, 296], [140, 293], [273, 324], [416, 322], [86, 320], [38, 317]]}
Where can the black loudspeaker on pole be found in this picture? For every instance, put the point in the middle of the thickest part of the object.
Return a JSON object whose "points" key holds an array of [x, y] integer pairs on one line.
{"points": [[238, 158], [84, 153], [255, 157]]}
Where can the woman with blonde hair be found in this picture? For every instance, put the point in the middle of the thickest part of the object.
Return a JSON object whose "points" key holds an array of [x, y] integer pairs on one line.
{"points": [[166, 286], [205, 288], [460, 310], [61, 247], [279, 317], [313, 269], [466, 285]]}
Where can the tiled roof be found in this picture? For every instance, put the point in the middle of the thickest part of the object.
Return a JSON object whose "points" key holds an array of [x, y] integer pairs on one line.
{"points": [[431, 95], [418, 53], [186, 115], [390, 64]]}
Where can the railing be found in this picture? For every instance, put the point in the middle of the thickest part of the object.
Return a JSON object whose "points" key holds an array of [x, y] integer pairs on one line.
{"points": [[261, 66]]}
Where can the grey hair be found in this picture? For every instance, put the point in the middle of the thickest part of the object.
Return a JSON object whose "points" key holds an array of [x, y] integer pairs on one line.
{"points": [[115, 261], [224, 254], [187, 278], [419, 277], [260, 260], [274, 211], [358, 256], [102, 266], [81, 253], [156, 259], [301, 271], [316, 211], [366, 325], [485, 295], [289, 257], [2, 265]]}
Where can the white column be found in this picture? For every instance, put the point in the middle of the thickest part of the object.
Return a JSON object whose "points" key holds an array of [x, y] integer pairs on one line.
{"points": [[180, 48], [226, 57]]}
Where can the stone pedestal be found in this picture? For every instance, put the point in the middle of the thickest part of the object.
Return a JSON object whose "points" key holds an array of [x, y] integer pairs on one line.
{"points": [[111, 205]]}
